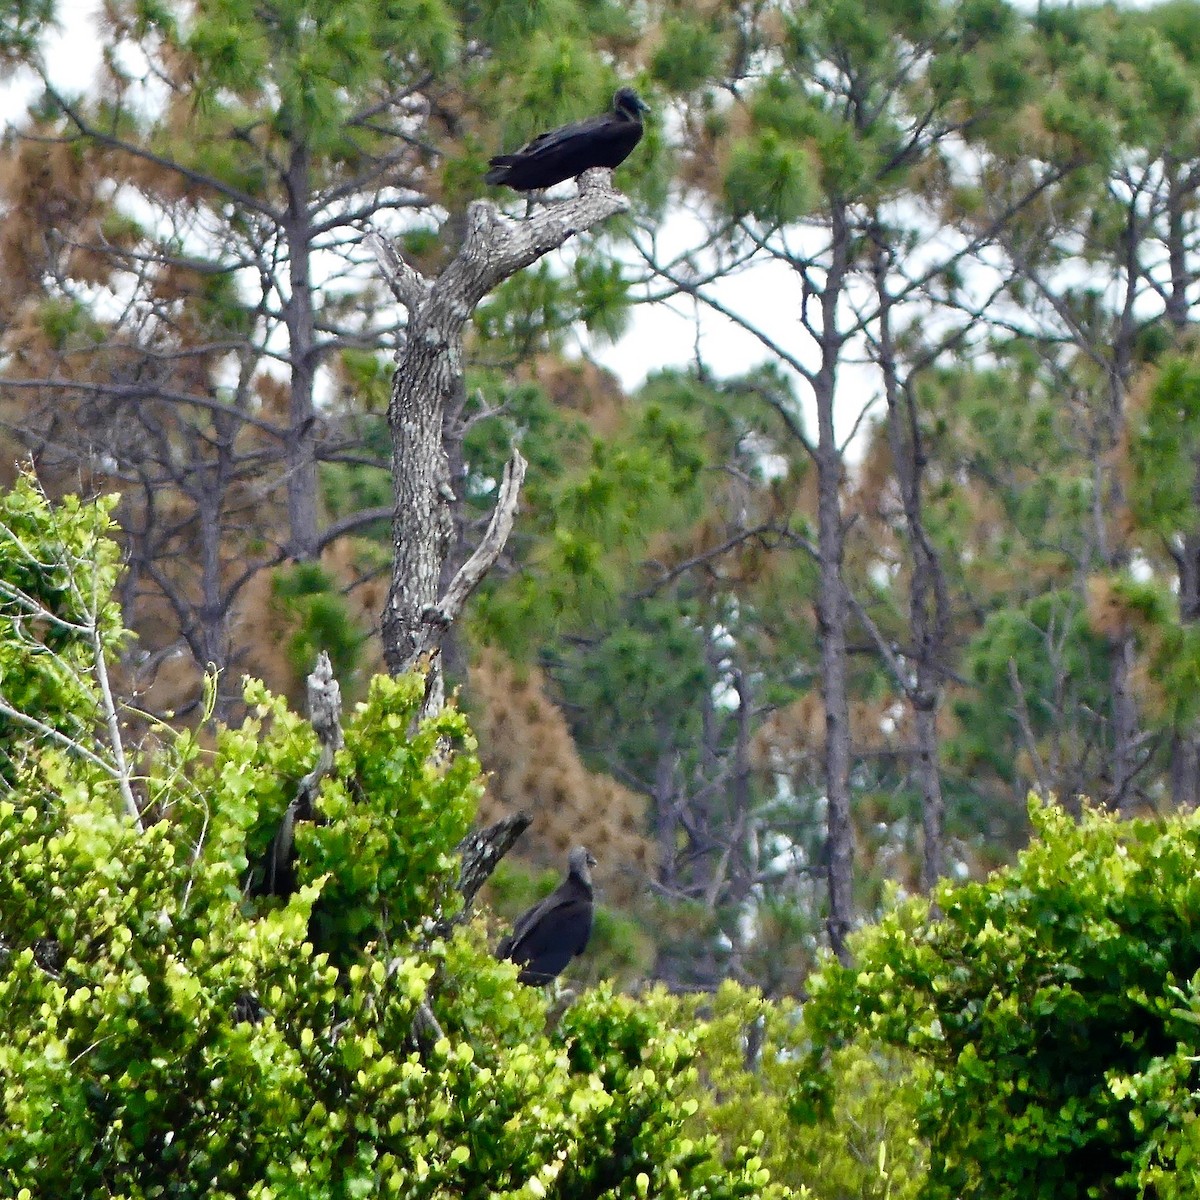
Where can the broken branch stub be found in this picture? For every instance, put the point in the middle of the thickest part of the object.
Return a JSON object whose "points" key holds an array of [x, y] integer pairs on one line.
{"points": [[325, 715]]}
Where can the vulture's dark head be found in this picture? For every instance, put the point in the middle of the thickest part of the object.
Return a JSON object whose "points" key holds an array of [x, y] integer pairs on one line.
{"points": [[580, 863], [627, 103]]}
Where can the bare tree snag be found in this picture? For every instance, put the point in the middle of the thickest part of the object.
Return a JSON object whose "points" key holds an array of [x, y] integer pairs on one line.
{"points": [[325, 714], [430, 366]]}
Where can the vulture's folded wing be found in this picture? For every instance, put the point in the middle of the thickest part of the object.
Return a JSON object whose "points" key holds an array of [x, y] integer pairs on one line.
{"points": [[547, 937], [594, 130]]}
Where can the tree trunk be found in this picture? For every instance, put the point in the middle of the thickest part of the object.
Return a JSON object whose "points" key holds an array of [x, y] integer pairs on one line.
{"points": [[454, 656], [832, 606], [933, 807], [301, 463], [1185, 748], [928, 602], [1124, 652], [429, 375], [1125, 723]]}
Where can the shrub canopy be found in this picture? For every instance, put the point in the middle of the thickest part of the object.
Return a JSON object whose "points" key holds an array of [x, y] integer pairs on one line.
{"points": [[168, 1032]]}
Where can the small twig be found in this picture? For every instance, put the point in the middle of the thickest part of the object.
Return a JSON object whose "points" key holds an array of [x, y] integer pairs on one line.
{"points": [[34, 609], [1022, 714], [56, 735], [425, 1027], [111, 721], [114, 728]]}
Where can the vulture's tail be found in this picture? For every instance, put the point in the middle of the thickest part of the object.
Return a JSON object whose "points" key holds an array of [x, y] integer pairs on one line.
{"points": [[499, 164]]}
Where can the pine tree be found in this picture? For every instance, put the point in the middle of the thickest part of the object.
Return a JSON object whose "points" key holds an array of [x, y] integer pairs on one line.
{"points": [[192, 305], [811, 165]]}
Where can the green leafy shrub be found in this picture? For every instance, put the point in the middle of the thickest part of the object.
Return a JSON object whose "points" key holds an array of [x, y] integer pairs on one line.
{"points": [[747, 1052], [170, 1033], [1055, 1007], [57, 572]]}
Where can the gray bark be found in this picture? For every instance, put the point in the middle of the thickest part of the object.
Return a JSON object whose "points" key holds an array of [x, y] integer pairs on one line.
{"points": [[426, 378], [832, 603], [928, 602], [479, 852], [325, 715], [1124, 653], [1185, 747]]}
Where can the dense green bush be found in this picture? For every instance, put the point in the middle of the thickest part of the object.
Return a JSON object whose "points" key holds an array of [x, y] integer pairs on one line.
{"points": [[57, 572], [748, 1050], [1055, 1006], [169, 1032]]}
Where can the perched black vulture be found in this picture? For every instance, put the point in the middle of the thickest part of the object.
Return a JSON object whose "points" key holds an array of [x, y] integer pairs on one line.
{"points": [[563, 153], [554, 930]]}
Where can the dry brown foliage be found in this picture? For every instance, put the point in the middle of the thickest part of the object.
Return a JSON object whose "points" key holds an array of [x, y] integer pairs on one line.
{"points": [[533, 765]]}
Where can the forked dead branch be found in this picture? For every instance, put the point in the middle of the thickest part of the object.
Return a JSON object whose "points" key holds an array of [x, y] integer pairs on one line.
{"points": [[429, 369]]}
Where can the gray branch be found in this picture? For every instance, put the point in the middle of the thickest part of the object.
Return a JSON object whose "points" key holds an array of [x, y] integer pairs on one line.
{"points": [[325, 715], [480, 853], [442, 615], [408, 285]]}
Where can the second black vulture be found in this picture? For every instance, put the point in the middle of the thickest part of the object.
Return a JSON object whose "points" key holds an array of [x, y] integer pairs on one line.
{"points": [[556, 929], [563, 153]]}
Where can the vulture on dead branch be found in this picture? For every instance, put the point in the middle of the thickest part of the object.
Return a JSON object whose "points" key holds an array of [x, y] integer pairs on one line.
{"points": [[563, 153], [556, 929]]}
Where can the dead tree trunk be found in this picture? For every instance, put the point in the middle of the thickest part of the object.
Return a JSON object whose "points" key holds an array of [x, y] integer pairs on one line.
{"points": [[832, 601], [430, 368]]}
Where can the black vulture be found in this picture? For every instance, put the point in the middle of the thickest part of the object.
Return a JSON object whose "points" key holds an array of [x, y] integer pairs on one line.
{"points": [[563, 153], [556, 929]]}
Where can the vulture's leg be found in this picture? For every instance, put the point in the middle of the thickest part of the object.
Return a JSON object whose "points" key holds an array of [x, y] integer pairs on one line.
{"points": [[532, 198]]}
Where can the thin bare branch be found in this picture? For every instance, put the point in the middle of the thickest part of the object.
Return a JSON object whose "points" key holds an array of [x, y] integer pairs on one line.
{"points": [[471, 573]]}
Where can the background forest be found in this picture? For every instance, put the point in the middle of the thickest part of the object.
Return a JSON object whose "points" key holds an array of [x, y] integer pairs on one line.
{"points": [[803, 635], [774, 645], [782, 647]]}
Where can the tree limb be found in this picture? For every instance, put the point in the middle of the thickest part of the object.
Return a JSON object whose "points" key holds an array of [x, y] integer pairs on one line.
{"points": [[408, 285], [428, 375], [481, 851], [442, 615]]}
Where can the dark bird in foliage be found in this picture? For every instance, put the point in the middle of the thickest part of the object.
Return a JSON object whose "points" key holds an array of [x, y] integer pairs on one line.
{"points": [[563, 153], [556, 929]]}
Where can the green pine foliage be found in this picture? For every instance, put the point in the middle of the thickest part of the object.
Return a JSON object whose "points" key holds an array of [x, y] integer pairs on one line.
{"points": [[770, 178], [310, 600], [1163, 452], [592, 511], [1026, 663], [21, 24], [689, 53]]}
